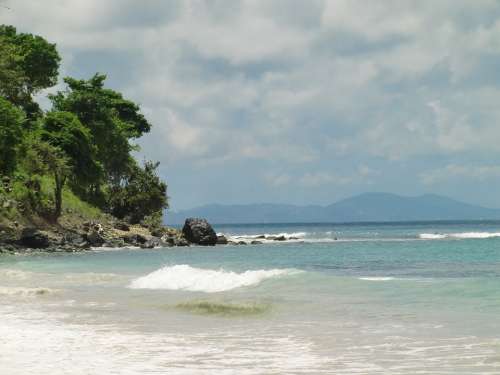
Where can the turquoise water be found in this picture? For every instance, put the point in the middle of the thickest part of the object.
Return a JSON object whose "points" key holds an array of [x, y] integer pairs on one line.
{"points": [[341, 299]]}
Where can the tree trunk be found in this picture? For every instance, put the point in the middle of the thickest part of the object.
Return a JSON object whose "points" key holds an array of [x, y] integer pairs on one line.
{"points": [[59, 180]]}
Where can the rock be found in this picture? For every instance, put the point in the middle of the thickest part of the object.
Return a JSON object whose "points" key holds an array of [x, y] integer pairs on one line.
{"points": [[157, 232], [120, 225], [199, 231], [151, 244], [294, 238], [95, 238], [242, 243], [75, 240], [168, 240], [222, 240], [181, 241], [280, 238], [270, 237], [255, 242], [135, 239], [34, 238], [261, 237]]}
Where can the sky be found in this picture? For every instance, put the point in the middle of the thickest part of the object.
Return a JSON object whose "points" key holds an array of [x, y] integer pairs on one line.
{"points": [[296, 101]]}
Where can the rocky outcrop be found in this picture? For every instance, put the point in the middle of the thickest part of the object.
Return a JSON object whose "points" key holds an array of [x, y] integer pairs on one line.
{"points": [[34, 238], [199, 232]]}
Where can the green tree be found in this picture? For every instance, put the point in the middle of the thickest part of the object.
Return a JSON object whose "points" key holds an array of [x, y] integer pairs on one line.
{"points": [[112, 120], [28, 64], [11, 132], [42, 158], [65, 131], [142, 194]]}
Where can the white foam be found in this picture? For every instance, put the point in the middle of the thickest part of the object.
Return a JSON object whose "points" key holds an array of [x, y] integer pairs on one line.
{"points": [[184, 277], [15, 274], [475, 235], [376, 278], [464, 235], [432, 236], [35, 342]]}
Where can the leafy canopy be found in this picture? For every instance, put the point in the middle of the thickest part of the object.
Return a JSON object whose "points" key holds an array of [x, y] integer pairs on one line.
{"points": [[11, 136], [111, 120], [28, 64]]}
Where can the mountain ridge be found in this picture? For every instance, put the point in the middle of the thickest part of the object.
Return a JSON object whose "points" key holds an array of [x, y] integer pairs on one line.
{"points": [[365, 207]]}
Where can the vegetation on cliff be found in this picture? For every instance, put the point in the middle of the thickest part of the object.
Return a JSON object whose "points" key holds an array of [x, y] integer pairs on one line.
{"points": [[75, 157]]}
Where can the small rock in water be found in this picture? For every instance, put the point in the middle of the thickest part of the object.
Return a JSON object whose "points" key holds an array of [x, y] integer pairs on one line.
{"points": [[150, 244], [222, 240], [280, 238], [242, 243], [254, 242]]}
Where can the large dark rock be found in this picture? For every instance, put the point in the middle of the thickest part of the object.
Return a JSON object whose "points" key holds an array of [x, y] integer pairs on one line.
{"points": [[34, 238], [199, 231]]}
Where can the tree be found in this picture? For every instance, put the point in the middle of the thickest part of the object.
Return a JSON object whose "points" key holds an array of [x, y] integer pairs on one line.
{"points": [[65, 131], [28, 64], [112, 120], [11, 132], [142, 194], [45, 159]]}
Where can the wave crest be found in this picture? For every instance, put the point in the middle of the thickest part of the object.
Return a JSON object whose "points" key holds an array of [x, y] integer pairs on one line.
{"points": [[184, 277], [465, 235]]}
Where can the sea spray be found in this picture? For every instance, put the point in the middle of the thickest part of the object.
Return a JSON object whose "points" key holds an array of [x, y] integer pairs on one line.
{"points": [[185, 277]]}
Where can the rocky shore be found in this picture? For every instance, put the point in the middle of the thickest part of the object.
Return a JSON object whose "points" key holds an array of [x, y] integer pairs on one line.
{"points": [[112, 233]]}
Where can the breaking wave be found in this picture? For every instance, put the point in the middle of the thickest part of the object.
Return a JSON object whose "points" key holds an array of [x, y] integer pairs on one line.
{"points": [[465, 235], [184, 277]]}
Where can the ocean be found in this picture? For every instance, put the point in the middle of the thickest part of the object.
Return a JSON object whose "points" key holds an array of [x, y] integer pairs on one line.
{"points": [[400, 298]]}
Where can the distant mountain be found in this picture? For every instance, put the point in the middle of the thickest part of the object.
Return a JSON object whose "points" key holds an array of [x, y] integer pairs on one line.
{"points": [[361, 208]]}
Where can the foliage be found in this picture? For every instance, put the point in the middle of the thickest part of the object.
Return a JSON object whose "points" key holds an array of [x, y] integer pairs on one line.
{"points": [[80, 149], [42, 158], [111, 119], [65, 131], [142, 194], [28, 64], [11, 131]]}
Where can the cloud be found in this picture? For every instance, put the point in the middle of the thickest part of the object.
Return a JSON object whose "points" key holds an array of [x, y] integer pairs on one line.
{"points": [[292, 86], [460, 172]]}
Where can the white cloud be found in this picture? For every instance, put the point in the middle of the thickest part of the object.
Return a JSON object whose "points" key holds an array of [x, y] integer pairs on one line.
{"points": [[460, 172], [292, 83]]}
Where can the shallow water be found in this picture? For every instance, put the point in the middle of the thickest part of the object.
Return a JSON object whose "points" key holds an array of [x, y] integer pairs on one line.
{"points": [[381, 299]]}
